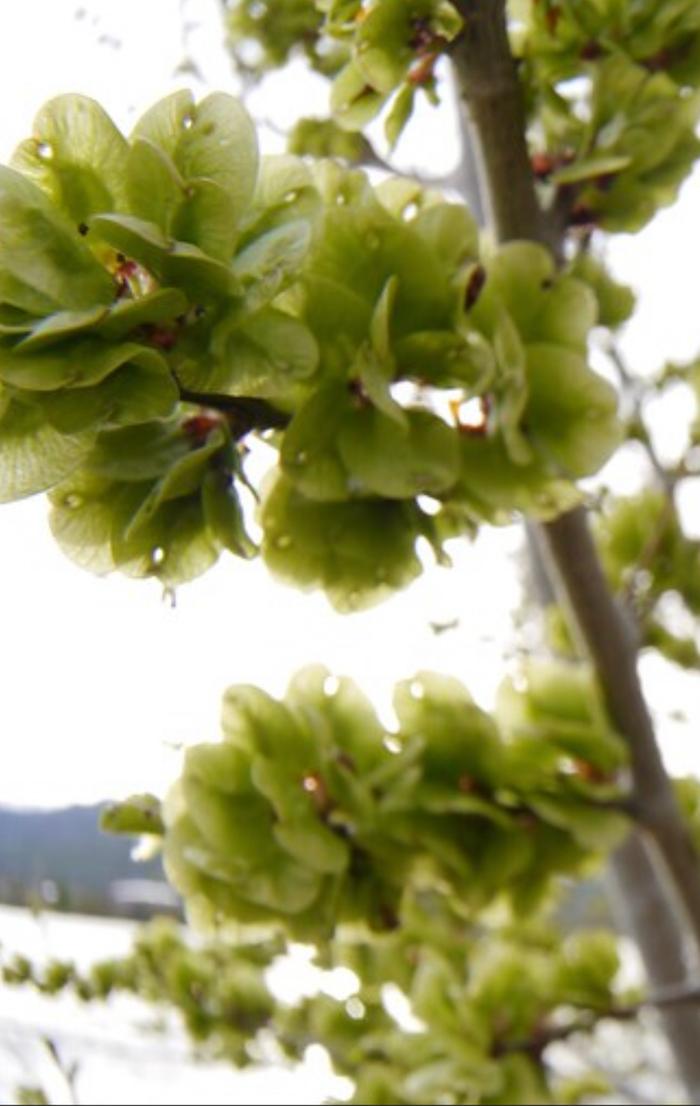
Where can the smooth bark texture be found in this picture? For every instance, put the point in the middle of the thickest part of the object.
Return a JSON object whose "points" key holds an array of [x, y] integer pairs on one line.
{"points": [[493, 104], [610, 645], [492, 98], [648, 915], [645, 900]]}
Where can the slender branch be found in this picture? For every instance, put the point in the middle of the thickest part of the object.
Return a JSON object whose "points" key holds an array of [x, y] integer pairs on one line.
{"points": [[243, 413], [644, 908], [68, 1072], [648, 913], [489, 84], [664, 998], [631, 386], [608, 640], [549, 1034], [492, 98], [628, 594]]}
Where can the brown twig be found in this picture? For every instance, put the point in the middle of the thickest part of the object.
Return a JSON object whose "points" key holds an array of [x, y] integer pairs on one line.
{"points": [[634, 389], [492, 93], [663, 998], [243, 413]]}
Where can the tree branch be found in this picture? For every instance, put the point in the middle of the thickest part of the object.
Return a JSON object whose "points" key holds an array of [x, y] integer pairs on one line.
{"points": [[492, 98], [645, 910], [609, 643], [648, 913], [243, 413], [489, 85], [664, 998], [631, 385]]}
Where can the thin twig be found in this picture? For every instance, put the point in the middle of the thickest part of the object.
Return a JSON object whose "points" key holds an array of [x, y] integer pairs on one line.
{"points": [[634, 389], [68, 1072], [663, 998], [493, 94], [243, 413]]}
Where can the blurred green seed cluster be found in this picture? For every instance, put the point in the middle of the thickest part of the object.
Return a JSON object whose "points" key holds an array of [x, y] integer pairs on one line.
{"points": [[479, 999]]}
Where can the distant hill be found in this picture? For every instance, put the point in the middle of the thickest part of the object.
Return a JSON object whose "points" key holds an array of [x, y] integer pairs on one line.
{"points": [[61, 858]]}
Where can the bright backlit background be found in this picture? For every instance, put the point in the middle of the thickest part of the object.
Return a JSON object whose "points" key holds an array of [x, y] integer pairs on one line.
{"points": [[101, 680]]}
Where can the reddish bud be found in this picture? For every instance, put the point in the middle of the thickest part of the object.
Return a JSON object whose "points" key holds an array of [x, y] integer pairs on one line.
{"points": [[542, 165], [422, 72], [198, 427], [126, 267], [590, 772]]}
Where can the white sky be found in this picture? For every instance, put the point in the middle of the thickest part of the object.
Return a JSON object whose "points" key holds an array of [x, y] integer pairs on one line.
{"points": [[99, 677]]}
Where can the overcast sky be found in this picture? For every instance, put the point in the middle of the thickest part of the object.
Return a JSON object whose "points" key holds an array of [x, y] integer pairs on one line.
{"points": [[100, 678]]}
